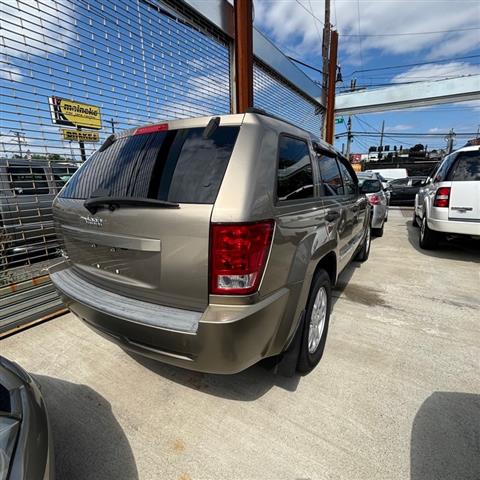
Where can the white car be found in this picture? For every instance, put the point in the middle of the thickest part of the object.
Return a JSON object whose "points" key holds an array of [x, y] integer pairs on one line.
{"points": [[449, 203]]}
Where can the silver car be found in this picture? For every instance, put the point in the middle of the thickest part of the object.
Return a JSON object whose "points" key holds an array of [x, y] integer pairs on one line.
{"points": [[376, 195], [211, 243]]}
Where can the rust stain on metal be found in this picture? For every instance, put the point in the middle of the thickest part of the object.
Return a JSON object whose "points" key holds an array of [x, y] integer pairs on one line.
{"points": [[37, 280]]}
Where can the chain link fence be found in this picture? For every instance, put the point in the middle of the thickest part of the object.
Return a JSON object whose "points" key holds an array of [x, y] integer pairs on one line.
{"points": [[130, 62]]}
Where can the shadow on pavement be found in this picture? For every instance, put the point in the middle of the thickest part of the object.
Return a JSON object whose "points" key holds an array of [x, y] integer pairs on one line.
{"points": [[462, 249], [445, 442], [245, 386], [88, 441]]}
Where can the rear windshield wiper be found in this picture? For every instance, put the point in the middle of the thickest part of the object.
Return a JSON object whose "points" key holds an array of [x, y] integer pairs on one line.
{"points": [[92, 204]]}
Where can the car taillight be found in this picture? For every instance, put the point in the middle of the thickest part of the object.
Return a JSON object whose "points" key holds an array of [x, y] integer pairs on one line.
{"points": [[238, 254], [442, 197], [374, 199]]}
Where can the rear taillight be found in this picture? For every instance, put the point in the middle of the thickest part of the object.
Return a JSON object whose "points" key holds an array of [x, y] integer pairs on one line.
{"points": [[374, 199], [442, 197], [238, 254]]}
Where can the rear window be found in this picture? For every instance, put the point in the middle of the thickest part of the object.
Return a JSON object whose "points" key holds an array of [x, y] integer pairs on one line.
{"points": [[177, 166], [467, 167]]}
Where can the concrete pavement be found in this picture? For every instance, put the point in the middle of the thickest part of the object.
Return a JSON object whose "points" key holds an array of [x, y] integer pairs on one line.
{"points": [[396, 396]]}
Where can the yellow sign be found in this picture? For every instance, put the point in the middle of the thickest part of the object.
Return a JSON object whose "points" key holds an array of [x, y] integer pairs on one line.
{"points": [[74, 114], [80, 136]]}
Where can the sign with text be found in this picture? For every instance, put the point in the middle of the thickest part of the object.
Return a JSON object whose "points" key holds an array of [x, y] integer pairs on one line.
{"points": [[80, 136], [339, 120], [74, 114]]}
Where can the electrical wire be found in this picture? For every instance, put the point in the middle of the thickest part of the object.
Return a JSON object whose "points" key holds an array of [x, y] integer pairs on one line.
{"points": [[408, 33], [389, 67], [311, 13], [316, 26]]}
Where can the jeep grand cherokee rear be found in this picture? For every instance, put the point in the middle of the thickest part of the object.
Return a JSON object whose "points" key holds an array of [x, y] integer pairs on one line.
{"points": [[180, 245]]}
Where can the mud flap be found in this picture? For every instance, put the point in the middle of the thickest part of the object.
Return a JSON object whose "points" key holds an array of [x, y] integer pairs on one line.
{"points": [[287, 365]]}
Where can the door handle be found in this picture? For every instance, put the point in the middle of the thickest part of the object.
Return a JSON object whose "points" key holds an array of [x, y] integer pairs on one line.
{"points": [[332, 215]]}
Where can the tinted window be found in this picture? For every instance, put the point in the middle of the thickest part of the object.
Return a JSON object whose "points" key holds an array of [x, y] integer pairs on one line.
{"points": [[467, 167], [28, 180], [441, 174], [349, 184], [332, 181], [369, 185], [178, 166], [295, 178], [399, 182], [417, 182]]}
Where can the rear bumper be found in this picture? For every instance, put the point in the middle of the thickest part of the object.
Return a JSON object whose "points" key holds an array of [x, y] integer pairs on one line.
{"points": [[228, 338], [454, 227]]}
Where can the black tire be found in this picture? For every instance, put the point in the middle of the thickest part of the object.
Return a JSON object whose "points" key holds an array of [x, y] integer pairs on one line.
{"points": [[415, 219], [364, 252], [308, 359], [377, 232], [428, 238]]}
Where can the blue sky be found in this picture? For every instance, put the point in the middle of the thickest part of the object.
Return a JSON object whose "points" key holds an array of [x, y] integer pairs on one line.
{"points": [[291, 26], [140, 65]]}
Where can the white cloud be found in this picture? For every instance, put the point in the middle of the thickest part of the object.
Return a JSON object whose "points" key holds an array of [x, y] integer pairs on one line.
{"points": [[400, 128], [436, 72], [434, 130], [291, 25], [35, 28], [9, 72]]}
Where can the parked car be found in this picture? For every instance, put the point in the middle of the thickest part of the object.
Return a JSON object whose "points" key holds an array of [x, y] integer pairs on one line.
{"points": [[26, 451], [391, 173], [449, 203], [377, 198], [383, 181], [403, 190], [211, 243], [27, 190]]}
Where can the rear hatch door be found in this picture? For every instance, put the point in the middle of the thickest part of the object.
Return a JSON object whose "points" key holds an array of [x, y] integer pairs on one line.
{"points": [[155, 247], [465, 187]]}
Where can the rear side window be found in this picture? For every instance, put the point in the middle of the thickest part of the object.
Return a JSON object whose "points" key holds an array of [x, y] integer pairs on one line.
{"points": [[332, 181], [441, 174], [467, 167], [295, 177], [349, 184], [177, 166], [28, 180]]}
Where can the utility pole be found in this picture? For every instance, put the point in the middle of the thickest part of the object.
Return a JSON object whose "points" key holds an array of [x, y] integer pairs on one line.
{"points": [[17, 134], [325, 55], [112, 123], [332, 78], [243, 55], [349, 137], [449, 139], [380, 148]]}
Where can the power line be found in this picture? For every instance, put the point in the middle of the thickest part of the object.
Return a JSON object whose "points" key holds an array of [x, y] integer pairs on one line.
{"points": [[305, 64], [416, 134], [407, 33], [389, 67], [311, 13], [316, 26]]}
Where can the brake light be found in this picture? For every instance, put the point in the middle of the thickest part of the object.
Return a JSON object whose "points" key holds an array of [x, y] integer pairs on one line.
{"points": [[442, 197], [374, 199], [238, 254], [160, 127]]}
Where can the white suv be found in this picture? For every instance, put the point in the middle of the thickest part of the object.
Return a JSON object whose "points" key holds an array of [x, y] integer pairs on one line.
{"points": [[449, 203]]}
